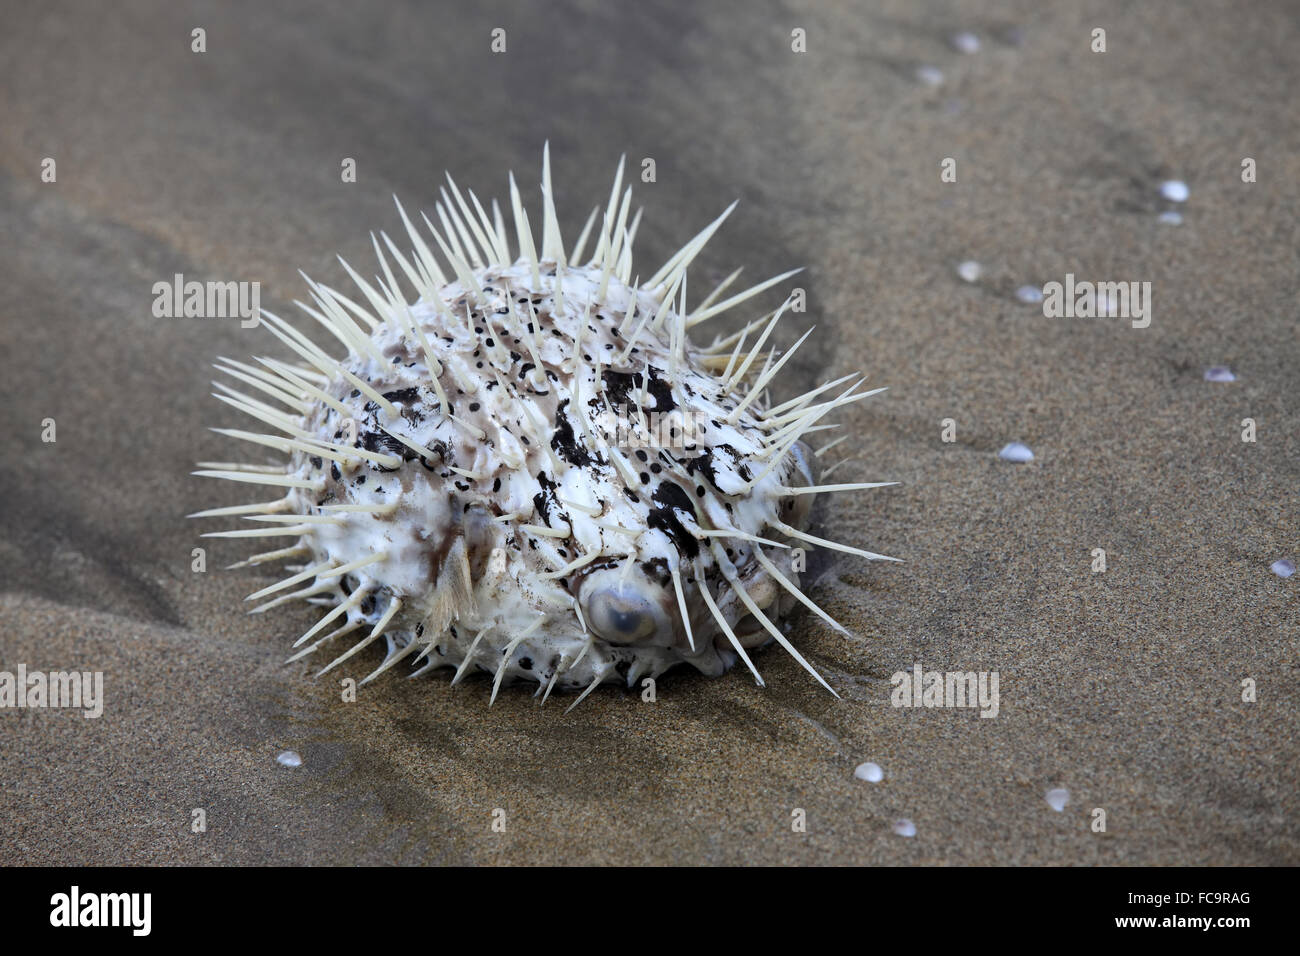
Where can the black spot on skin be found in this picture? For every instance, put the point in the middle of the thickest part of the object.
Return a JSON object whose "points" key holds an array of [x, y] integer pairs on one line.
{"points": [[738, 461], [656, 569], [671, 495], [565, 444], [526, 663], [543, 500], [385, 444], [334, 471], [407, 396], [704, 465], [439, 448], [707, 466], [496, 484], [671, 499], [620, 386]]}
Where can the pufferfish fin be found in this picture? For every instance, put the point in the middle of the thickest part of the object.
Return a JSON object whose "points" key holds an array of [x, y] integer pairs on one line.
{"points": [[453, 593]]}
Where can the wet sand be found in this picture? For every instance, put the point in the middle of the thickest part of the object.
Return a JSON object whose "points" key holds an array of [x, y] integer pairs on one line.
{"points": [[1123, 687]]}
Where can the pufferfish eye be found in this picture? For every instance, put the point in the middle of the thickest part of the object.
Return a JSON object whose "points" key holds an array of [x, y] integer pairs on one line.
{"points": [[622, 611], [620, 617]]}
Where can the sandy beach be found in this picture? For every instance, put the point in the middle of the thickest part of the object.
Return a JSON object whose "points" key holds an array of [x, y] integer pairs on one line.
{"points": [[1122, 686]]}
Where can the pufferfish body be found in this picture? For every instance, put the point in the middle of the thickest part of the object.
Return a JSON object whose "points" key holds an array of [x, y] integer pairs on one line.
{"points": [[530, 469]]}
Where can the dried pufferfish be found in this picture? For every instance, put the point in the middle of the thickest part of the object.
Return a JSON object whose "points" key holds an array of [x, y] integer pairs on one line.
{"points": [[531, 470]]}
